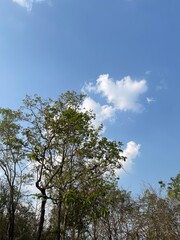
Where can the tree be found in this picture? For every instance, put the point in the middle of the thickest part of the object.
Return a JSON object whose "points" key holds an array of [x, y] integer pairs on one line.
{"points": [[82, 208], [64, 146], [157, 218], [173, 187], [25, 222], [73, 167], [25, 218], [3, 209], [11, 162], [118, 222]]}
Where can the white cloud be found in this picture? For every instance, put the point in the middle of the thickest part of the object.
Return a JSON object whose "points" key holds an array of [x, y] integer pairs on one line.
{"points": [[103, 112], [89, 87], [131, 151], [122, 94], [27, 3], [24, 3]]}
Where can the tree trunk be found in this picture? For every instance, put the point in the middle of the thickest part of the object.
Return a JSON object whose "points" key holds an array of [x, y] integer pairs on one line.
{"points": [[58, 237], [11, 211], [64, 225], [42, 214], [95, 229], [11, 226]]}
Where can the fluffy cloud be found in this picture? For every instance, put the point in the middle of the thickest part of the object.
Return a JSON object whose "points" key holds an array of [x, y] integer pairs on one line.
{"points": [[131, 151], [27, 3], [103, 112], [122, 94]]}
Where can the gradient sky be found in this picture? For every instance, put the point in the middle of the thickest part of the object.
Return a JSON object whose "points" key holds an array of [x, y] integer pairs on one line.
{"points": [[124, 54]]}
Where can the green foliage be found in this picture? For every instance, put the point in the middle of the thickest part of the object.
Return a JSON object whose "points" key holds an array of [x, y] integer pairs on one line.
{"points": [[55, 143], [65, 149], [173, 187]]}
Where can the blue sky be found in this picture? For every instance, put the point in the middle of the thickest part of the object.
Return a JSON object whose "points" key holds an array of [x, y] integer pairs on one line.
{"points": [[123, 53]]}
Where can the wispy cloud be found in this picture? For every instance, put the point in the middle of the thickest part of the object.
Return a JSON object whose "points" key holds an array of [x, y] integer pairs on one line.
{"points": [[28, 4], [161, 86], [150, 100], [122, 94]]}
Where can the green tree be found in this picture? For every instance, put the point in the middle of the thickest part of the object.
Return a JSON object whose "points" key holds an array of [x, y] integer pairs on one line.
{"points": [[64, 147], [173, 189], [25, 222], [3, 209], [82, 208], [11, 162], [25, 218]]}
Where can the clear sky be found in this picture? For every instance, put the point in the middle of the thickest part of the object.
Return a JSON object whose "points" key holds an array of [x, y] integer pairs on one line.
{"points": [[124, 54]]}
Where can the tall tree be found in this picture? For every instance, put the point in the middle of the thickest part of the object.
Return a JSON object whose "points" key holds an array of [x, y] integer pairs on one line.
{"points": [[11, 162], [3, 209], [64, 146]]}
